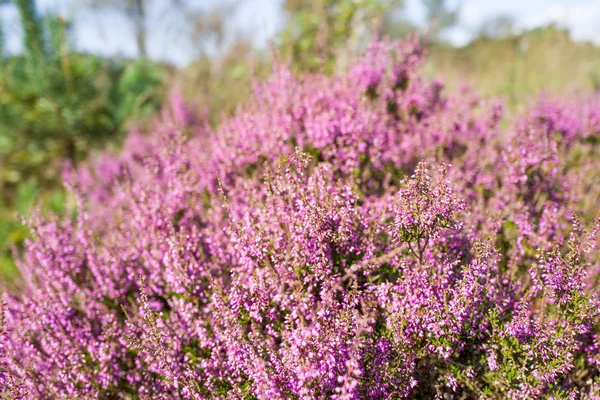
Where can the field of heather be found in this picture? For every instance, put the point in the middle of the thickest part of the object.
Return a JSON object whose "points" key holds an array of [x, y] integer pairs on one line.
{"points": [[359, 235], [361, 209]]}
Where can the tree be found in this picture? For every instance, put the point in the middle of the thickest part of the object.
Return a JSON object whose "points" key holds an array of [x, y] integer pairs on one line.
{"points": [[203, 25], [439, 16], [32, 27], [323, 33], [210, 26], [135, 10]]}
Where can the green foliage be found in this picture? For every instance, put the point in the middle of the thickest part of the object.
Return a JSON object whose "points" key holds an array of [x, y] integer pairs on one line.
{"points": [[319, 33], [55, 105], [34, 40]]}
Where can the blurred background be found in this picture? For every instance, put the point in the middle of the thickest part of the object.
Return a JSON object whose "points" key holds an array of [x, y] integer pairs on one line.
{"points": [[76, 75]]}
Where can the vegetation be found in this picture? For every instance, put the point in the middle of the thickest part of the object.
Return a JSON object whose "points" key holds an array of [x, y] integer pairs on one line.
{"points": [[359, 235], [518, 67], [327, 219]]}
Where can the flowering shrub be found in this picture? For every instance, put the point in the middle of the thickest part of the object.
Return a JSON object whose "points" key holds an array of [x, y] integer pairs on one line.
{"points": [[360, 236]]}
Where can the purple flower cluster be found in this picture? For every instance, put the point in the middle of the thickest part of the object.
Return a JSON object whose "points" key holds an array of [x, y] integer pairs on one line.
{"points": [[346, 237]]}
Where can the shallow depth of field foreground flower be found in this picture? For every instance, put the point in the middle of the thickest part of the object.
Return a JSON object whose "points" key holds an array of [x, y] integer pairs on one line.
{"points": [[361, 236]]}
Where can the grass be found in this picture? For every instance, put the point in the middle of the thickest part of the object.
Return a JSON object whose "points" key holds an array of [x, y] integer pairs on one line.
{"points": [[519, 67]]}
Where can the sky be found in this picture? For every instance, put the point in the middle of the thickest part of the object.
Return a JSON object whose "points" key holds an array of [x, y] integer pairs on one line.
{"points": [[110, 33], [582, 17]]}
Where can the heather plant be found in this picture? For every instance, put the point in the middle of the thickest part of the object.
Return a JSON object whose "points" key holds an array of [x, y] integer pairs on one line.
{"points": [[360, 235]]}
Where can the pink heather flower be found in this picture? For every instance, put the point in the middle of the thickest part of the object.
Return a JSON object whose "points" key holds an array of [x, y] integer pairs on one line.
{"points": [[318, 244]]}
